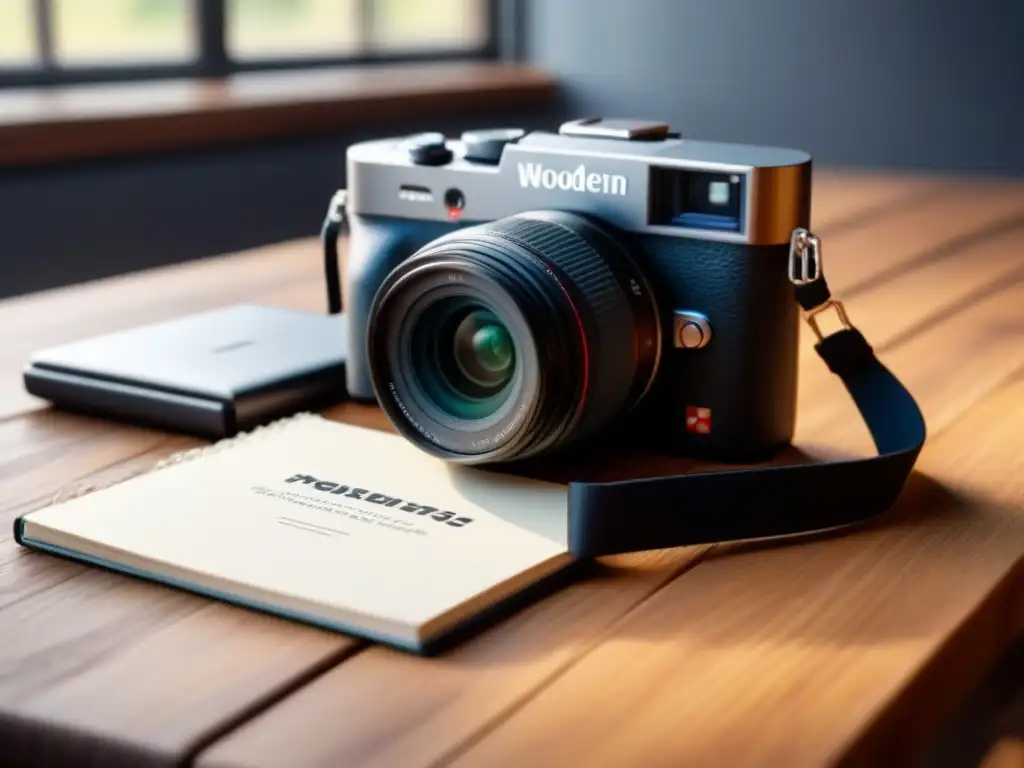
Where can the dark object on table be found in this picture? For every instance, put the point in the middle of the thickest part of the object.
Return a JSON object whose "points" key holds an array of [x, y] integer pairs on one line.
{"points": [[211, 374]]}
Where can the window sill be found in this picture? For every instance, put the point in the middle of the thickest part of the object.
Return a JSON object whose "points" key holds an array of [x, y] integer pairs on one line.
{"points": [[49, 125]]}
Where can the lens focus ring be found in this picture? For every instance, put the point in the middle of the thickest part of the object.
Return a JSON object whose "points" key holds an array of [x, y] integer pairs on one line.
{"points": [[580, 317], [600, 300]]}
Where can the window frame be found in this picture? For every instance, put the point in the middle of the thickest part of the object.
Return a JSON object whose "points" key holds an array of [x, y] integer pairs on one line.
{"points": [[213, 60]]}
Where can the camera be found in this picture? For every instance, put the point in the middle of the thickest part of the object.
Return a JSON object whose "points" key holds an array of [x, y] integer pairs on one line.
{"points": [[512, 295]]}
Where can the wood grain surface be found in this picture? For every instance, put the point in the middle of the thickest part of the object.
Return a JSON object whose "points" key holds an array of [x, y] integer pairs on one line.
{"points": [[850, 649], [1007, 753]]}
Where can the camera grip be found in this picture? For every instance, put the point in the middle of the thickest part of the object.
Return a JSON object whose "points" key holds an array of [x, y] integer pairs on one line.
{"points": [[735, 398]]}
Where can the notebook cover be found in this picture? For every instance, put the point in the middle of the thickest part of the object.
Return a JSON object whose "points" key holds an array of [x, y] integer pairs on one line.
{"points": [[478, 618]]}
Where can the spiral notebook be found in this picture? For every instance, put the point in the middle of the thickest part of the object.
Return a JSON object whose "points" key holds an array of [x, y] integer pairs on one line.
{"points": [[343, 527]]}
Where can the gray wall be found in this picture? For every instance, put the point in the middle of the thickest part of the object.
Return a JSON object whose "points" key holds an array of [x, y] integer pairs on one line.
{"points": [[935, 84]]}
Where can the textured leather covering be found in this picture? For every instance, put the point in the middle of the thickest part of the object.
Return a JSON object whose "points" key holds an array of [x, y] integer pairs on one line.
{"points": [[746, 376]]}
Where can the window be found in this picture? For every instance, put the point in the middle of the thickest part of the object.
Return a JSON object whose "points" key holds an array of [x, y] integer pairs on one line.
{"points": [[62, 41]]}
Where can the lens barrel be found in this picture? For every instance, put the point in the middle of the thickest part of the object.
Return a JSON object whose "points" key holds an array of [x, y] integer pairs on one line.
{"points": [[503, 341]]}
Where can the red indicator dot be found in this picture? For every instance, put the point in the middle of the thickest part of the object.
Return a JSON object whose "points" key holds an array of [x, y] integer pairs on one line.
{"points": [[698, 420]]}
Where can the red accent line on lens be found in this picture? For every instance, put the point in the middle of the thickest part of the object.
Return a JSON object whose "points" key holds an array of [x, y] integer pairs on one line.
{"points": [[583, 338]]}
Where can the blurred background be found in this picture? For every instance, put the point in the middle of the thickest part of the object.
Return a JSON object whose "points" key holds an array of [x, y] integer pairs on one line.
{"points": [[135, 133]]}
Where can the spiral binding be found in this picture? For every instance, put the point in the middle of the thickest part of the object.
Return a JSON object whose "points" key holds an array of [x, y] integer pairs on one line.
{"points": [[180, 457], [230, 442]]}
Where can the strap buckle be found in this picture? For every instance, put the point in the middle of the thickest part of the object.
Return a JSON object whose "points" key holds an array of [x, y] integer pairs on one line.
{"points": [[812, 317], [805, 254], [805, 268]]}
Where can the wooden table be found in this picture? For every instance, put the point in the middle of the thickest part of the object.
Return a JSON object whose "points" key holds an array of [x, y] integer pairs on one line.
{"points": [[851, 649]]}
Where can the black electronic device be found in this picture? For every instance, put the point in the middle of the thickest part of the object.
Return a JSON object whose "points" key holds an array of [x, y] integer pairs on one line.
{"points": [[211, 374]]}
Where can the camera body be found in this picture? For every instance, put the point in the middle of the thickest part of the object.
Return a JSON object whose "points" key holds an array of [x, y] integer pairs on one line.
{"points": [[695, 236]]}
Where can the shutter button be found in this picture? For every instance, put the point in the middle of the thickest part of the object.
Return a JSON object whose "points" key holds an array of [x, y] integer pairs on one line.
{"points": [[427, 149], [692, 330]]}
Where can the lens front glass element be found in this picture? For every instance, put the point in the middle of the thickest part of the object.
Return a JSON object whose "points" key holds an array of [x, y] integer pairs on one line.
{"points": [[463, 358]]}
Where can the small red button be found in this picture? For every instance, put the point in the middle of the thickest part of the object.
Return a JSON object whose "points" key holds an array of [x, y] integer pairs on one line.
{"points": [[698, 420]]}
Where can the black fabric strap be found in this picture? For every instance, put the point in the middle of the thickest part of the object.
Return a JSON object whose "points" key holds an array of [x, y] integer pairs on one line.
{"points": [[661, 512], [334, 224]]}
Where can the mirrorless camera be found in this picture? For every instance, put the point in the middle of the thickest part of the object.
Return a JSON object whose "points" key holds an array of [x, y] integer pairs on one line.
{"points": [[512, 294]]}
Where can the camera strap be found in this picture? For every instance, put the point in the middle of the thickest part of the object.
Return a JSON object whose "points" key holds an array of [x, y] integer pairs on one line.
{"points": [[731, 505]]}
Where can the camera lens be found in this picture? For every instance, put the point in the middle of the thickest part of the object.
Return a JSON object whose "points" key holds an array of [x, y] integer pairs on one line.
{"points": [[483, 350], [463, 358], [506, 340]]}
